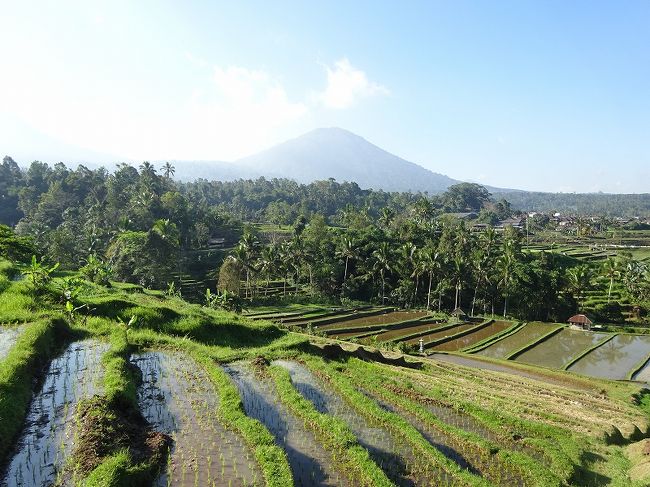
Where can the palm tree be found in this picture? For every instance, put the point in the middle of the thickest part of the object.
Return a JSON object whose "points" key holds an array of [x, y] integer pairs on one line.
{"points": [[505, 265], [349, 251], [611, 270], [382, 264], [483, 260], [432, 262], [579, 280], [168, 170]]}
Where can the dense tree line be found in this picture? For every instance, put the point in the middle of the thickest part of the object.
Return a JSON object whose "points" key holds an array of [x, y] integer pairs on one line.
{"points": [[346, 243], [611, 205]]}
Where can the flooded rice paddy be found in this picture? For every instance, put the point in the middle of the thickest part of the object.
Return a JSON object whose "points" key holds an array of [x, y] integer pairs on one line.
{"points": [[525, 335], [643, 375], [47, 438], [386, 449], [474, 337], [481, 463], [382, 319], [178, 398], [397, 334], [310, 463], [441, 334], [558, 350], [615, 358], [8, 337]]}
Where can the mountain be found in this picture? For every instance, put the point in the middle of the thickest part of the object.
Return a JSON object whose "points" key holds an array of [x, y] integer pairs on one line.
{"points": [[336, 153]]}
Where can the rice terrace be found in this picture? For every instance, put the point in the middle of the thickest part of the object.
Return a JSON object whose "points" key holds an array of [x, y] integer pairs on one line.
{"points": [[110, 382], [213, 273]]}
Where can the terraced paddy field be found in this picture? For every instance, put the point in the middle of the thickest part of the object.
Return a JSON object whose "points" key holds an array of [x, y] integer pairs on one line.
{"points": [[616, 358], [189, 395], [558, 350], [398, 334], [528, 334], [177, 398], [46, 440], [311, 463], [378, 319], [435, 335], [474, 337]]}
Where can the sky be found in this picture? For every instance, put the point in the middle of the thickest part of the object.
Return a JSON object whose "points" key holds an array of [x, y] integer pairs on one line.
{"points": [[538, 95]]}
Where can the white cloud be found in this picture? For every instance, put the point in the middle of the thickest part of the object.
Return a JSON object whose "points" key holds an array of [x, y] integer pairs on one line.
{"points": [[346, 84], [226, 113]]}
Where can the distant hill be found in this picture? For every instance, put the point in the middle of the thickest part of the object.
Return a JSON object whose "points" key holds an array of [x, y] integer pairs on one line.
{"points": [[336, 153]]}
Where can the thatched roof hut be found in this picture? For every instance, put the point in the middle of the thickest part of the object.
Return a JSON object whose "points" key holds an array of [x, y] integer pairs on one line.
{"points": [[581, 321]]}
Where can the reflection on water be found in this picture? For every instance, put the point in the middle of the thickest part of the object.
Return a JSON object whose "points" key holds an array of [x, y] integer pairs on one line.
{"points": [[615, 358], [178, 398], [474, 337], [382, 319], [46, 440], [441, 334], [526, 334], [562, 347], [8, 336]]}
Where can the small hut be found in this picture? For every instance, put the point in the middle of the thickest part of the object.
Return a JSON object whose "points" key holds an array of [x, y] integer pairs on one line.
{"points": [[459, 314], [581, 321]]}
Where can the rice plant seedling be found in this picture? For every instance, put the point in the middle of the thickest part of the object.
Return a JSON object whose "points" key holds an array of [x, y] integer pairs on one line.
{"points": [[178, 398], [46, 440], [310, 463]]}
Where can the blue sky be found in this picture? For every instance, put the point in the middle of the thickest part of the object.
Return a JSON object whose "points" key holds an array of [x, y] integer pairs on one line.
{"points": [[545, 95]]}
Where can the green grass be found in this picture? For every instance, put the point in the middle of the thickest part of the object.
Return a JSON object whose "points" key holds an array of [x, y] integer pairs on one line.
{"points": [[430, 456]]}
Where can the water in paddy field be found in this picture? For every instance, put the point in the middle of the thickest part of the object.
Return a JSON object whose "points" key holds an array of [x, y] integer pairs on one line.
{"points": [[382, 319], [474, 337], [479, 463], [643, 375], [558, 350], [525, 335], [178, 398], [435, 335], [311, 464], [47, 438], [615, 358], [386, 449], [395, 334], [8, 337]]}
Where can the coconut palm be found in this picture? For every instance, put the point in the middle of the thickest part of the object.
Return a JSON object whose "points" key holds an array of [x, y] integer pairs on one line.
{"points": [[382, 263], [348, 251], [611, 270], [168, 170]]}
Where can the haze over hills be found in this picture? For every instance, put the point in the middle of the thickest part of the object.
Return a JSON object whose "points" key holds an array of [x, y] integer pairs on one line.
{"points": [[336, 153], [321, 154]]}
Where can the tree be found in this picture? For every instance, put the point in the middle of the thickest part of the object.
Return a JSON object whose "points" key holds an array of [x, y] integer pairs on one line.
{"points": [[168, 170], [14, 247], [382, 263], [611, 270], [464, 196], [579, 281]]}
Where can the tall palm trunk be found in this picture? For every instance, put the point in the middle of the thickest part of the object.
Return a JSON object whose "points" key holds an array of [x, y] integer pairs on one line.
{"points": [[505, 305], [345, 273], [609, 293]]}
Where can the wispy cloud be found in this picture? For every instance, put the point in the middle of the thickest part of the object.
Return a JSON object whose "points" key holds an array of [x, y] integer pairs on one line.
{"points": [[346, 84]]}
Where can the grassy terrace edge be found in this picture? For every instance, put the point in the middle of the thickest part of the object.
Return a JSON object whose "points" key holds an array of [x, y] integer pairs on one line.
{"points": [[334, 433], [516, 353], [398, 425], [31, 352], [533, 471], [483, 344]]}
